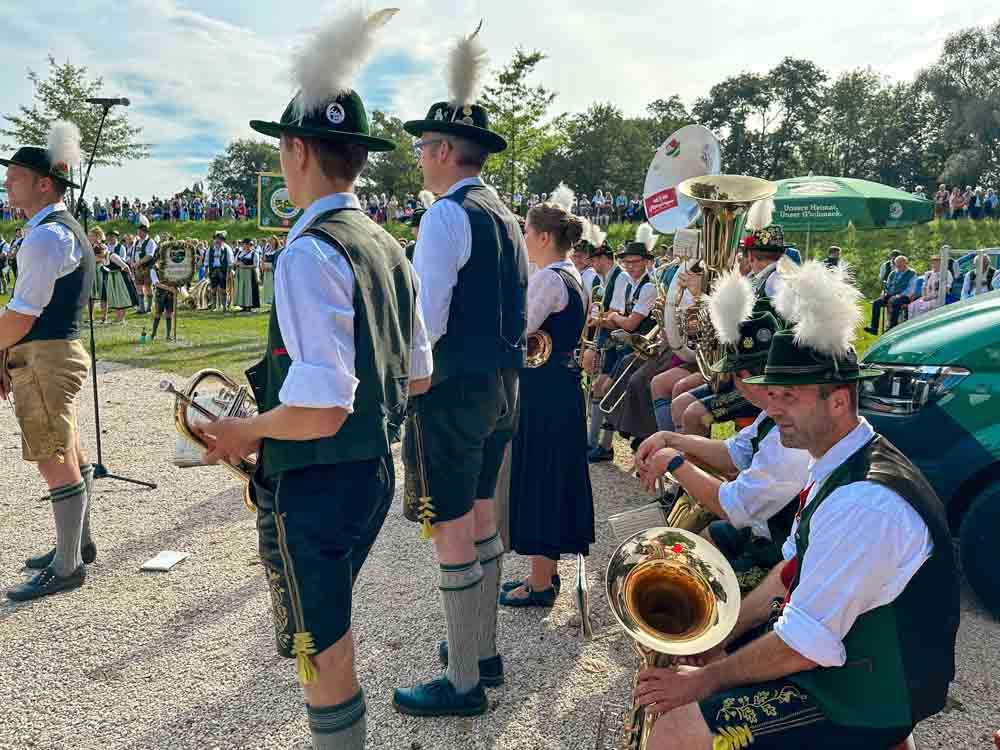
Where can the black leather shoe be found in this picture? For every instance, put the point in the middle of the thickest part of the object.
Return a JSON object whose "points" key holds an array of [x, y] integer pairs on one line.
{"points": [[46, 583], [490, 670], [545, 598], [41, 562], [511, 585], [439, 698], [599, 455]]}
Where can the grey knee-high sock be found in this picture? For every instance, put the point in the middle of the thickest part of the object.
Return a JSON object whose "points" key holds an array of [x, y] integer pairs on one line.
{"points": [[490, 552], [664, 419], [460, 596], [340, 727], [596, 419], [87, 472], [69, 504]]}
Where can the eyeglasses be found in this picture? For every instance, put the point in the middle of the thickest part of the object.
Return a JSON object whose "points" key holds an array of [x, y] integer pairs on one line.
{"points": [[418, 146]]}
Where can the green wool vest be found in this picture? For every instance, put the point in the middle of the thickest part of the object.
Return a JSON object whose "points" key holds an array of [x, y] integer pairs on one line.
{"points": [[900, 657], [384, 305]]}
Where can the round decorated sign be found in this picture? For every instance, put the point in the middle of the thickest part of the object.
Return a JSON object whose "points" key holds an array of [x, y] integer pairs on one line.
{"points": [[281, 205]]}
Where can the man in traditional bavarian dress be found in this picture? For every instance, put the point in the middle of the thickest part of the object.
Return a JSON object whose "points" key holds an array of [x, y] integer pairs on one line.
{"points": [[472, 264], [345, 342], [853, 656], [608, 289], [756, 507], [167, 290], [630, 312], [143, 258], [218, 261], [42, 362]]}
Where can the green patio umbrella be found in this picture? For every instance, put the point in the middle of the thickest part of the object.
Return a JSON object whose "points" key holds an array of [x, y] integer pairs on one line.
{"points": [[825, 204]]}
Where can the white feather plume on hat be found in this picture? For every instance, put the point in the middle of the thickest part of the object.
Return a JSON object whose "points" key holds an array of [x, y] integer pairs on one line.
{"points": [[592, 233], [425, 198], [760, 215], [822, 303], [466, 63], [324, 66], [729, 304], [645, 235], [563, 197], [64, 143]]}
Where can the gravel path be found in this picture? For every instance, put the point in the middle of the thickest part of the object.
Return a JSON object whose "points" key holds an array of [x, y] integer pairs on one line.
{"points": [[185, 659]]}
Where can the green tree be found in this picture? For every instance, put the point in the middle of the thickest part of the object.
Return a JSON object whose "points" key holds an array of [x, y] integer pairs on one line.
{"points": [[61, 96], [234, 171], [964, 83], [391, 172], [517, 112], [763, 119]]}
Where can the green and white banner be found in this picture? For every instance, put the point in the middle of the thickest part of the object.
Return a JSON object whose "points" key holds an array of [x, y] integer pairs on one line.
{"points": [[275, 211]]}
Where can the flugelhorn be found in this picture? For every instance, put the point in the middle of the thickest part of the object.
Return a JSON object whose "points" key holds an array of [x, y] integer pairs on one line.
{"points": [[675, 595], [207, 397]]}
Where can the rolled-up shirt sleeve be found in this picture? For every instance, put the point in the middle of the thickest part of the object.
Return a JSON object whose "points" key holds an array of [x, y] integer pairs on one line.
{"points": [[740, 447], [315, 286], [775, 477], [547, 294], [865, 544], [647, 298], [40, 262]]}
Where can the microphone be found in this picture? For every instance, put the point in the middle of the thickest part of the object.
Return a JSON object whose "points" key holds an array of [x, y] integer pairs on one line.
{"points": [[109, 102]]}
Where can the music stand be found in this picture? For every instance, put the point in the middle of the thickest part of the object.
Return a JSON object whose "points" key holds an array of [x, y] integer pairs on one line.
{"points": [[100, 470]]}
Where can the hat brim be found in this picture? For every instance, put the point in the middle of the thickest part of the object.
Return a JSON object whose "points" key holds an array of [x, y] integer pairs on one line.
{"points": [[277, 129], [492, 142], [67, 183], [734, 363], [645, 256], [794, 379]]}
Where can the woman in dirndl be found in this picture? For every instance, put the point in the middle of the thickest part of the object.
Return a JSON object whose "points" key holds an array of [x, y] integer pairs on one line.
{"points": [[247, 292], [551, 503], [267, 270], [116, 292], [98, 293]]}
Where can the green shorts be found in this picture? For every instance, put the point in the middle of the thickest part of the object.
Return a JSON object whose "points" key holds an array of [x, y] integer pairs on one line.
{"points": [[464, 425]]}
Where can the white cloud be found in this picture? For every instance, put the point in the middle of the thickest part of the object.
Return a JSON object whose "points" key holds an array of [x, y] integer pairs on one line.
{"points": [[198, 70]]}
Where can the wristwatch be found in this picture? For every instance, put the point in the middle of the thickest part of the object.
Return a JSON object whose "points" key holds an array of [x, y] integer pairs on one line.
{"points": [[675, 463]]}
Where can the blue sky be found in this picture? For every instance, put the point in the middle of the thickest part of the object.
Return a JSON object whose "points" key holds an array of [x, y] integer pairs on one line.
{"points": [[198, 70]]}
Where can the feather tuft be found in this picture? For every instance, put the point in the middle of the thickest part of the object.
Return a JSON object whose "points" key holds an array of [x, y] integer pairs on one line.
{"points": [[760, 215], [466, 63], [646, 235], [729, 304], [823, 305], [563, 197], [325, 65], [64, 143], [425, 198]]}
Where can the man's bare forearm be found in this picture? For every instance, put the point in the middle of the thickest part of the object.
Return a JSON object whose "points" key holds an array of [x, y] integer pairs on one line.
{"points": [[766, 658], [298, 423], [712, 453], [14, 326]]}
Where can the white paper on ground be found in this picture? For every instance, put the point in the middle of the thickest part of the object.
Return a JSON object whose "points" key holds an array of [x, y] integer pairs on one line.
{"points": [[165, 560]]}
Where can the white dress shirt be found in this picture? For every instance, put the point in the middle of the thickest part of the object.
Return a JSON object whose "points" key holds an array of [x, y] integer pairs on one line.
{"points": [[865, 544], [443, 248], [587, 277], [971, 288], [314, 298], [548, 293], [48, 252], [150, 249], [618, 294], [768, 480], [647, 295], [774, 281], [218, 256]]}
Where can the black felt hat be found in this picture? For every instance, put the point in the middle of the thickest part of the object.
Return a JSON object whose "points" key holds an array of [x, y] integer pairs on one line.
{"points": [[750, 352], [38, 160], [790, 364], [469, 121], [769, 240], [342, 120]]}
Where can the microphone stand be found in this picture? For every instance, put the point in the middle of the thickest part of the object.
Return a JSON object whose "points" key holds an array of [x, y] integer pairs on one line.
{"points": [[100, 470]]}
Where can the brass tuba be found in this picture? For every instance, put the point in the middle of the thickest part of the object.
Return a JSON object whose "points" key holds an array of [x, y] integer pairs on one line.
{"points": [[675, 595], [724, 200], [208, 396], [539, 349]]}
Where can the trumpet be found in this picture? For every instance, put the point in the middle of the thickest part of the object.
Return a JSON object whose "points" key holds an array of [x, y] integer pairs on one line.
{"points": [[211, 395]]}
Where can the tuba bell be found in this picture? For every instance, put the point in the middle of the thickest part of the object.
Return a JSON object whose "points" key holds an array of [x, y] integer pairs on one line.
{"points": [[208, 396], [539, 349], [675, 595], [724, 201]]}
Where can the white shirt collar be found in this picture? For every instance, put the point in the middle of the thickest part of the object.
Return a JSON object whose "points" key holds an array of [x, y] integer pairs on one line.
{"points": [[35, 220], [848, 445], [319, 206], [464, 183]]}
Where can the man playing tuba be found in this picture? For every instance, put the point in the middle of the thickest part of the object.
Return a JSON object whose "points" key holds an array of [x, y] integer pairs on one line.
{"points": [[853, 656]]}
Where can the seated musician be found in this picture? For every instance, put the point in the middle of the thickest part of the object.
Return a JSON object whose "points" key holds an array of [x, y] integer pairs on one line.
{"points": [[632, 316], [694, 411], [752, 506], [854, 656]]}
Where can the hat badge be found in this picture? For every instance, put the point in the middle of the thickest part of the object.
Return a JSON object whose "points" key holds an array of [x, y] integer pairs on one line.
{"points": [[335, 113], [467, 110], [764, 335], [747, 343], [438, 115]]}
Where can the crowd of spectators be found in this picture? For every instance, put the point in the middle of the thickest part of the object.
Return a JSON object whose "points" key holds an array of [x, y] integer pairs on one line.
{"points": [[971, 203]]}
